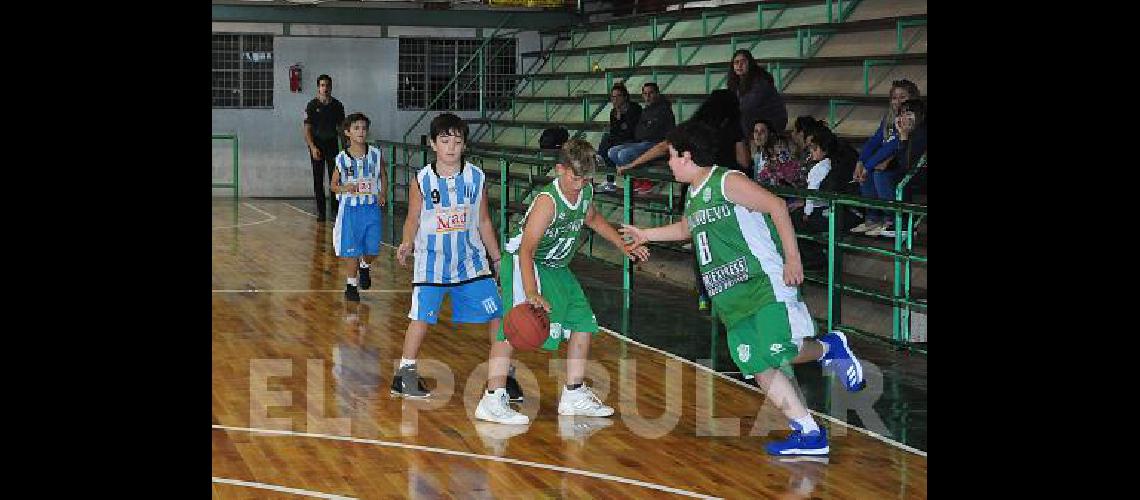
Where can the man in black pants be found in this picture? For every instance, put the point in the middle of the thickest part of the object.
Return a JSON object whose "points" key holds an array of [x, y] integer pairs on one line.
{"points": [[323, 117]]}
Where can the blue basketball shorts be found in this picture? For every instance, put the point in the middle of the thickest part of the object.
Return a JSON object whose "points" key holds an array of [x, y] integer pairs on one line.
{"points": [[472, 302], [357, 231]]}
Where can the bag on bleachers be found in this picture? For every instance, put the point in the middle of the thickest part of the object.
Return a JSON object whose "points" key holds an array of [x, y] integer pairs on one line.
{"points": [[553, 138]]}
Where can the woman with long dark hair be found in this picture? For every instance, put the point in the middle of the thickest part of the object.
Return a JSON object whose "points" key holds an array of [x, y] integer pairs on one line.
{"points": [[755, 88]]}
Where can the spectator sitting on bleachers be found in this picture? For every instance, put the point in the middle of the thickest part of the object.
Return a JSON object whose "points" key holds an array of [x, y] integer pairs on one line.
{"points": [[834, 162], [624, 115], [656, 120], [812, 218], [760, 146], [873, 171], [772, 157], [756, 92], [721, 112], [912, 138], [801, 128]]}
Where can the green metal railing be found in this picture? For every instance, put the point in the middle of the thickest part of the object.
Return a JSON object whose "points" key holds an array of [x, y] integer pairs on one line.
{"points": [[900, 317], [234, 184]]}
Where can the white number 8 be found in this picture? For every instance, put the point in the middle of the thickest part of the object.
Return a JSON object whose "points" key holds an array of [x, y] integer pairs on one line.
{"points": [[704, 255]]}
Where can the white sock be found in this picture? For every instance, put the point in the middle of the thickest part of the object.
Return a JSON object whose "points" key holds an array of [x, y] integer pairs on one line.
{"points": [[826, 348], [364, 265], [353, 281], [807, 423], [407, 362]]}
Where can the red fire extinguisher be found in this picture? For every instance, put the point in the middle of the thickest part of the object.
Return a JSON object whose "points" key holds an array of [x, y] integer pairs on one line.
{"points": [[295, 77]]}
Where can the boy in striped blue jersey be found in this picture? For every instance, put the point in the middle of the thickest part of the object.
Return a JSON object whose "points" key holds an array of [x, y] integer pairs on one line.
{"points": [[449, 232], [359, 181]]}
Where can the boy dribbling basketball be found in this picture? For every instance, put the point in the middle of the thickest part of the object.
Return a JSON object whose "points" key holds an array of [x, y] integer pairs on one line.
{"points": [[536, 271]]}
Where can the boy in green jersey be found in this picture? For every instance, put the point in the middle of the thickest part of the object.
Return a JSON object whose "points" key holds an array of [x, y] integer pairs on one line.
{"points": [[750, 264], [535, 271]]}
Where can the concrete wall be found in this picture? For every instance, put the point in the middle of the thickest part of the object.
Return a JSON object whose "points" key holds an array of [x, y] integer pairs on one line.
{"points": [[364, 69]]}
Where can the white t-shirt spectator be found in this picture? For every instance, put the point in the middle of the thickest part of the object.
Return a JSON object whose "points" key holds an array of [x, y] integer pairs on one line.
{"points": [[815, 176]]}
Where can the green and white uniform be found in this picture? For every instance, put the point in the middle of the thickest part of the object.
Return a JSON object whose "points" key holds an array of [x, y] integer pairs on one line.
{"points": [[569, 310], [742, 264]]}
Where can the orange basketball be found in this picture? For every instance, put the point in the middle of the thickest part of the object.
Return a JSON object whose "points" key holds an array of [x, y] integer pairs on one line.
{"points": [[526, 327]]}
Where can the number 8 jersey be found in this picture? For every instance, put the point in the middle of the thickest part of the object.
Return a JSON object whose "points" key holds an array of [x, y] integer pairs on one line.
{"points": [[740, 255], [561, 240]]}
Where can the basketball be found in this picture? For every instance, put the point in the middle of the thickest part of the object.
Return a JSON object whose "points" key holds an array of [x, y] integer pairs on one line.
{"points": [[526, 327]]}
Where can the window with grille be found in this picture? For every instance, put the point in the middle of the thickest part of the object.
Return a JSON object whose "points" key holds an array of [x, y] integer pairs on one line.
{"points": [[242, 71], [428, 64]]}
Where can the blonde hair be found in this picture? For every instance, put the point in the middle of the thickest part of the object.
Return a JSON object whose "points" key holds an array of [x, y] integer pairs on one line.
{"points": [[578, 156]]}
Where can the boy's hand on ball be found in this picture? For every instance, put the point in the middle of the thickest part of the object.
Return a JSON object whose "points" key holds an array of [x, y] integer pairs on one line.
{"points": [[537, 300]]}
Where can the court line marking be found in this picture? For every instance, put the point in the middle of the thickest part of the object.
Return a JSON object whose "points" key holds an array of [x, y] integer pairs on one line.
{"points": [[699, 366], [281, 290], [274, 487], [445, 451], [757, 389], [244, 224], [302, 211]]}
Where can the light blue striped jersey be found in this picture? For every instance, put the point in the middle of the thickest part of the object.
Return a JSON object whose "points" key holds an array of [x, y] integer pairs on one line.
{"points": [[364, 172], [448, 249]]}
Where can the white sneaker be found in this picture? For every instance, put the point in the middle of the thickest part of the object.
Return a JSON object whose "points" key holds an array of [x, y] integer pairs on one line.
{"points": [[495, 407], [864, 227], [582, 401]]}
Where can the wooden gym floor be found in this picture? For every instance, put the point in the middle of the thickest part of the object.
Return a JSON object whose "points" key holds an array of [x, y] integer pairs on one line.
{"points": [[301, 408]]}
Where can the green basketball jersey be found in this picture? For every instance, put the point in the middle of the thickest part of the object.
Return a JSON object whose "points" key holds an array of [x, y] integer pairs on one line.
{"points": [[739, 253], [561, 240]]}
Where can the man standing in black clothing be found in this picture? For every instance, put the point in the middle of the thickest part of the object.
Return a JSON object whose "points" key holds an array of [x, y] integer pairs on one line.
{"points": [[323, 117]]}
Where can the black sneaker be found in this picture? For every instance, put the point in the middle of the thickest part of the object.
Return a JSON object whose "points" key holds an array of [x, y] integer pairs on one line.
{"points": [[514, 390], [350, 293], [365, 278], [406, 383]]}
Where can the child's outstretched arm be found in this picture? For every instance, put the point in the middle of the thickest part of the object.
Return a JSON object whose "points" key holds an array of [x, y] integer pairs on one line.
{"points": [[600, 225], [487, 232], [411, 225], [742, 191], [677, 231], [539, 217]]}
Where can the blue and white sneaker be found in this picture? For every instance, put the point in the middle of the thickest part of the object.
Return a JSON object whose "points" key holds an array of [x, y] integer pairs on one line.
{"points": [[800, 443], [841, 362]]}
